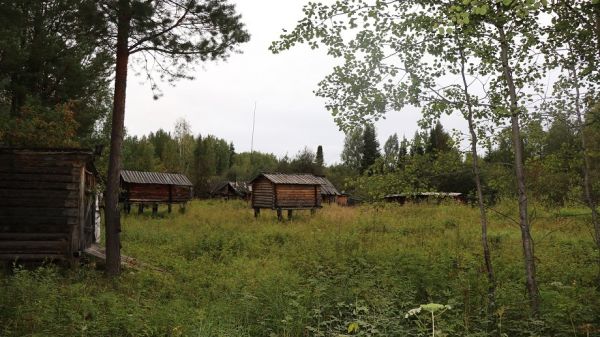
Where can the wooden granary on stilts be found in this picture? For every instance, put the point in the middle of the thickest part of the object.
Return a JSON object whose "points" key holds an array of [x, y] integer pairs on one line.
{"points": [[153, 188], [285, 192]]}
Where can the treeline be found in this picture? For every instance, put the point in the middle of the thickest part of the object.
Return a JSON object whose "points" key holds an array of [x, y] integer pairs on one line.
{"points": [[433, 161], [207, 159]]}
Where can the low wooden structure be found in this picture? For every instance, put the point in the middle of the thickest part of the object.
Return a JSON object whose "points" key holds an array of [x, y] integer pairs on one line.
{"points": [[342, 200], [153, 188], [285, 192], [47, 204], [329, 193], [436, 197], [230, 190]]}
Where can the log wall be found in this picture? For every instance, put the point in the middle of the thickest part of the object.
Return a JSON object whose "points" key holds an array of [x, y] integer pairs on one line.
{"points": [[156, 193], [297, 196], [41, 204], [263, 195]]}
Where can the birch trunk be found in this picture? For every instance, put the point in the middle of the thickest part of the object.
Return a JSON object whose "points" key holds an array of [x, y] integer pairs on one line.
{"points": [[528, 253]]}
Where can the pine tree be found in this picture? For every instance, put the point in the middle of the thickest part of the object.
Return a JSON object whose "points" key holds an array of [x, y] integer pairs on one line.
{"points": [[176, 35]]}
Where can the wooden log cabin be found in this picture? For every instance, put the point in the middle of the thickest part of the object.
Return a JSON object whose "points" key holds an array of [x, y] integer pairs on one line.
{"points": [[47, 204], [230, 190], [152, 188], [285, 192]]}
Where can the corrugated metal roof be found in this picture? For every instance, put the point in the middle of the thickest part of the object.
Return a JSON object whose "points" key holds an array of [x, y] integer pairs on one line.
{"points": [[327, 187], [138, 177], [291, 179]]}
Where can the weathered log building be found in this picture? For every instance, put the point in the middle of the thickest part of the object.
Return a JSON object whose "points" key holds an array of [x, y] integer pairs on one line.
{"points": [[285, 192], [48, 204], [430, 197], [231, 190], [152, 188]]}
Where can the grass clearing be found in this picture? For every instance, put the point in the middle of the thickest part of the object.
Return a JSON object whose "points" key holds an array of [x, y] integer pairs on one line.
{"points": [[227, 274]]}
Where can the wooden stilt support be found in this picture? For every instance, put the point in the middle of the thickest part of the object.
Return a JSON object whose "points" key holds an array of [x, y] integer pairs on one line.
{"points": [[169, 207], [140, 208], [154, 209], [290, 214], [313, 211], [256, 212], [279, 214]]}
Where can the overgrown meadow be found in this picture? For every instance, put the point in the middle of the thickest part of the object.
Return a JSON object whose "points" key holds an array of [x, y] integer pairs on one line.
{"points": [[216, 271]]}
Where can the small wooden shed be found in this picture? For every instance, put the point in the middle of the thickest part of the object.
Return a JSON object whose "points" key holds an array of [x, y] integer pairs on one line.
{"points": [[154, 188], [285, 192], [230, 190], [47, 204], [436, 197], [342, 199]]}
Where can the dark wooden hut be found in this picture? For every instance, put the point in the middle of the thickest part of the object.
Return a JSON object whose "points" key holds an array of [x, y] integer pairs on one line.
{"points": [[436, 197], [230, 190], [342, 199], [47, 204], [329, 193], [285, 192], [153, 188]]}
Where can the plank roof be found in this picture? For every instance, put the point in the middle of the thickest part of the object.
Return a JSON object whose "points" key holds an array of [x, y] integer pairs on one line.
{"points": [[290, 179], [139, 177], [327, 187], [239, 187]]}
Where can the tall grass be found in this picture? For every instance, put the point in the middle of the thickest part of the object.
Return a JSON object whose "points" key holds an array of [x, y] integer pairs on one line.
{"points": [[220, 272]]}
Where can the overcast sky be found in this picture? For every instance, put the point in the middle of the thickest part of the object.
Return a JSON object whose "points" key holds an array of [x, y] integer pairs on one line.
{"points": [[220, 100]]}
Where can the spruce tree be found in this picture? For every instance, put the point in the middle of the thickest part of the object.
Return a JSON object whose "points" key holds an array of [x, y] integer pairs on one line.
{"points": [[370, 148], [319, 160]]}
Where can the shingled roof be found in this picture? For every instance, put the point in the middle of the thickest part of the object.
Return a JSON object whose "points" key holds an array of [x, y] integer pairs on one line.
{"points": [[139, 177]]}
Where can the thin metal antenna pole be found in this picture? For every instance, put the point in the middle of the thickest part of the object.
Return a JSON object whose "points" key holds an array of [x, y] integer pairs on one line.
{"points": [[253, 123]]}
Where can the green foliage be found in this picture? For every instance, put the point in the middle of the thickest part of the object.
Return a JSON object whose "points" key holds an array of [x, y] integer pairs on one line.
{"points": [[58, 124], [216, 271], [53, 54], [139, 154], [353, 149]]}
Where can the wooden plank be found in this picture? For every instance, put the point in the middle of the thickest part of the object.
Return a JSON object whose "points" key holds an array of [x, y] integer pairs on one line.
{"points": [[38, 211], [33, 246], [67, 178], [32, 236], [38, 194], [9, 220], [65, 170], [35, 185], [38, 202], [40, 161], [32, 257]]}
